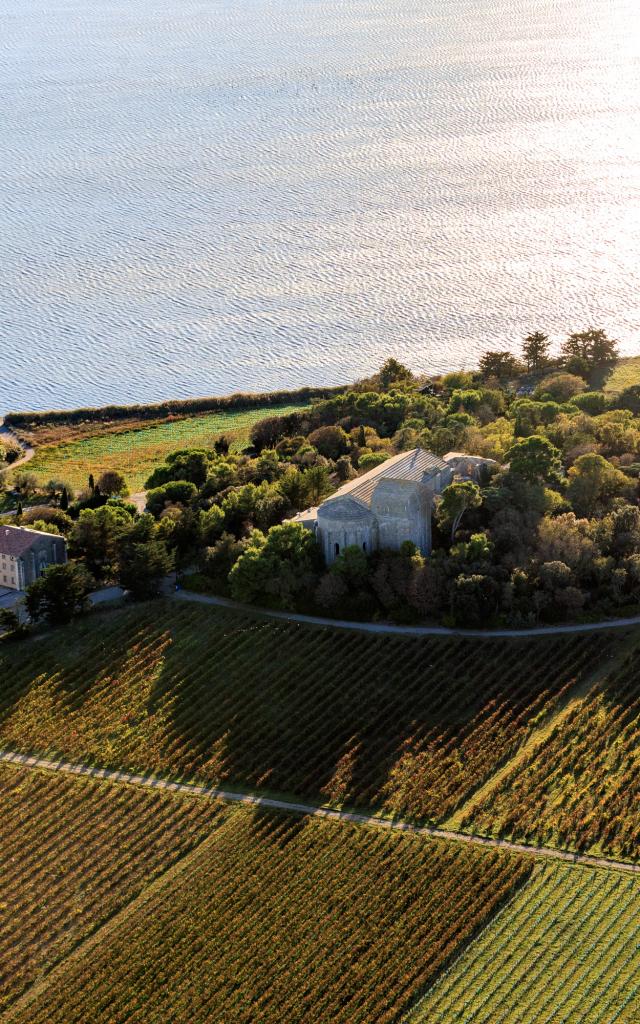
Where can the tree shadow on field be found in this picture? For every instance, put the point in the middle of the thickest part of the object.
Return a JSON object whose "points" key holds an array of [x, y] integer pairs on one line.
{"points": [[278, 707]]}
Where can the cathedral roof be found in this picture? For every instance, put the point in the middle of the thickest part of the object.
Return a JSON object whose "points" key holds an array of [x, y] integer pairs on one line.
{"points": [[415, 466]]}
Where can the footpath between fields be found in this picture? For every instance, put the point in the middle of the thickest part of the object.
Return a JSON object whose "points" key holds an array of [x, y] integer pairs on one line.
{"points": [[309, 810]]}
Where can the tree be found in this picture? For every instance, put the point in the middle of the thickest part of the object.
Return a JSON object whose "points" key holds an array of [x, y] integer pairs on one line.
{"points": [[625, 530], [534, 459], [64, 499], [352, 565], [474, 599], [48, 514], [456, 499], [218, 560], [567, 539], [221, 445], [332, 442], [317, 483], [12, 452], [535, 350], [112, 482], [277, 569], [294, 488], [393, 373], [372, 459], [175, 492], [53, 488], [143, 568], [500, 364], [92, 482], [559, 387], [211, 525], [97, 534], [10, 623], [592, 345], [190, 464], [59, 594], [593, 482], [26, 483]]}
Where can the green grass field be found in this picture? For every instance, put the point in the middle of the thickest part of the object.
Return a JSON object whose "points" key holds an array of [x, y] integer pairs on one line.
{"points": [[287, 920], [136, 453], [566, 950], [625, 374], [412, 726]]}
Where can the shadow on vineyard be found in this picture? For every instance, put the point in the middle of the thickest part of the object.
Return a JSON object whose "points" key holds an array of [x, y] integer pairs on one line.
{"points": [[407, 724]]}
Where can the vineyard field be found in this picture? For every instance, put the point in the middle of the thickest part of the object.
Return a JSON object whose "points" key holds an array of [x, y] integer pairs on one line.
{"points": [[581, 788], [292, 920], [73, 853], [565, 950], [136, 453], [407, 725]]}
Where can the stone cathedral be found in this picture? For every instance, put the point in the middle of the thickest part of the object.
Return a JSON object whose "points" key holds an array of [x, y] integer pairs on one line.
{"points": [[388, 505]]}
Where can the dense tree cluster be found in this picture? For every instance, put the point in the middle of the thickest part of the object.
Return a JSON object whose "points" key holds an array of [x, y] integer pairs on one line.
{"points": [[552, 533]]}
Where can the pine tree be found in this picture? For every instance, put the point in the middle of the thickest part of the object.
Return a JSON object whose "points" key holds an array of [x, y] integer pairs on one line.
{"points": [[593, 346], [535, 350]]}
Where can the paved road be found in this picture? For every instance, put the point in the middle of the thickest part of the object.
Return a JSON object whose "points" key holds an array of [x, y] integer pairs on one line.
{"points": [[106, 594], [378, 627], [312, 810]]}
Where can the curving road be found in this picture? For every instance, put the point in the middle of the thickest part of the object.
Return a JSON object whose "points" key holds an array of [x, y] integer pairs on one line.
{"points": [[379, 627], [311, 810]]}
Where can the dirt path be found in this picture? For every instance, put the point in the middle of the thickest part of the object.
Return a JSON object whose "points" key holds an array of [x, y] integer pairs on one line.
{"points": [[8, 435], [312, 810], [379, 627]]}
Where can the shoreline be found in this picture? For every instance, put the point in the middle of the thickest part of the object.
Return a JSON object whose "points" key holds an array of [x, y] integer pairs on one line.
{"points": [[200, 403]]}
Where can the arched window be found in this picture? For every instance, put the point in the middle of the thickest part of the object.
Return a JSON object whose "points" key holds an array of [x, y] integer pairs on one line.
{"points": [[337, 549]]}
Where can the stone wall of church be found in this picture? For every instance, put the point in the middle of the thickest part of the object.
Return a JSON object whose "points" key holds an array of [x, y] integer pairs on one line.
{"points": [[336, 535]]}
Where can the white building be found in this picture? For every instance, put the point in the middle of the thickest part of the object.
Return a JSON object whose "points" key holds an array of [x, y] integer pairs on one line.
{"points": [[25, 554], [388, 505]]}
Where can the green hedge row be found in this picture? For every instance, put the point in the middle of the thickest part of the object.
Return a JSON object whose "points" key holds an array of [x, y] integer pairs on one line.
{"points": [[160, 410]]}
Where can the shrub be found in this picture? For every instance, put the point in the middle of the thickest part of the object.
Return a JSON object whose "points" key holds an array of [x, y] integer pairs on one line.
{"points": [[559, 387], [372, 459], [592, 402], [175, 492]]}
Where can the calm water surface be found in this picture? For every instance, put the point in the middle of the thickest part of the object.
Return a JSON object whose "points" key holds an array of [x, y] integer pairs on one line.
{"points": [[204, 195]]}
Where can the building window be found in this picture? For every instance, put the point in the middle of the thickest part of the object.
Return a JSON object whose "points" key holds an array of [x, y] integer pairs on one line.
{"points": [[336, 548]]}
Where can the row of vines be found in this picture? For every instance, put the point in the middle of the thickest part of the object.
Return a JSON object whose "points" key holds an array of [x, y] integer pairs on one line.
{"points": [[407, 724], [566, 950], [74, 852], [581, 788], [288, 920]]}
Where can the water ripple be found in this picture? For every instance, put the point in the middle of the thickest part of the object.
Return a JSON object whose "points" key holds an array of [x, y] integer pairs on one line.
{"points": [[212, 195]]}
